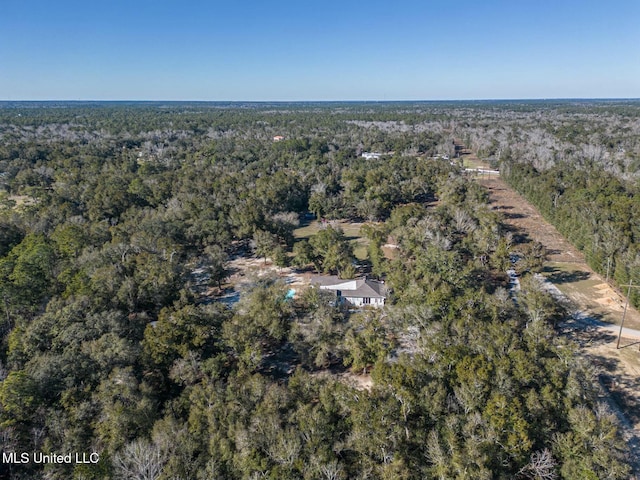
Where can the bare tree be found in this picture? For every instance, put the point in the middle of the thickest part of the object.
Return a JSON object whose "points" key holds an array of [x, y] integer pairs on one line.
{"points": [[541, 467], [139, 460]]}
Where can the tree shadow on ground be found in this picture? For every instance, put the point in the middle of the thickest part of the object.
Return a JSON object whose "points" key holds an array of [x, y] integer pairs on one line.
{"points": [[280, 363], [618, 391], [518, 236], [620, 386], [555, 275], [587, 335], [514, 215]]}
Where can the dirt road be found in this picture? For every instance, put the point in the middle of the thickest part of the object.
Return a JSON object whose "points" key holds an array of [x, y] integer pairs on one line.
{"points": [[602, 305], [566, 267]]}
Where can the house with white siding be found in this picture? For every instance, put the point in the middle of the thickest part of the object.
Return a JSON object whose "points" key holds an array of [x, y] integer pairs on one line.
{"points": [[359, 292]]}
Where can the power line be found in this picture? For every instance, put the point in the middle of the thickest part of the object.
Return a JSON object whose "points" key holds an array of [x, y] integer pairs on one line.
{"points": [[624, 312]]}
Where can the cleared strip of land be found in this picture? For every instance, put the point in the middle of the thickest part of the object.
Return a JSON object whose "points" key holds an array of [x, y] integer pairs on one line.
{"points": [[596, 299], [566, 267]]}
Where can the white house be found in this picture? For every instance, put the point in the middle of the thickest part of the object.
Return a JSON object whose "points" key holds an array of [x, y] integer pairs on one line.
{"points": [[371, 155], [359, 292]]}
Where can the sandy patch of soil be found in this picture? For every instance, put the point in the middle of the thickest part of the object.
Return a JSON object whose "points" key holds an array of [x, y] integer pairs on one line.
{"points": [[244, 268], [243, 272], [358, 381]]}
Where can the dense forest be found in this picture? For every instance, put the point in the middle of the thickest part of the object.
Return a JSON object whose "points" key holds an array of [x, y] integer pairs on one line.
{"points": [[107, 209]]}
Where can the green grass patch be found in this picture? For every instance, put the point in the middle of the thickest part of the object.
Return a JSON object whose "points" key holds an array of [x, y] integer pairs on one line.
{"points": [[468, 162], [360, 249], [306, 231], [351, 231]]}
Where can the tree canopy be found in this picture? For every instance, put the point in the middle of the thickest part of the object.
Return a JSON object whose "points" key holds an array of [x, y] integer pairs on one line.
{"points": [[109, 212]]}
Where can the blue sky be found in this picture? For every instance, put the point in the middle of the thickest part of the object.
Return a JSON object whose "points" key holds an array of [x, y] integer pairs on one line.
{"points": [[311, 50]]}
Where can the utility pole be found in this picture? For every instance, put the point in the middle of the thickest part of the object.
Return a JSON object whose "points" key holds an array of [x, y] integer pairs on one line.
{"points": [[624, 312]]}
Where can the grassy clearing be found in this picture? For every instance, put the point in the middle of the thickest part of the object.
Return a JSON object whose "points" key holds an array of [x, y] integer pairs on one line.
{"points": [[350, 229], [471, 161], [360, 249], [307, 230]]}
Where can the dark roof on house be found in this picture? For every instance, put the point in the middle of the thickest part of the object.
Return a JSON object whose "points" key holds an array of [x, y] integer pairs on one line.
{"points": [[367, 288]]}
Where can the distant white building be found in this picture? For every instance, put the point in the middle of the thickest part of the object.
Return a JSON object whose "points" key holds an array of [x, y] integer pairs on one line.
{"points": [[359, 292], [371, 155]]}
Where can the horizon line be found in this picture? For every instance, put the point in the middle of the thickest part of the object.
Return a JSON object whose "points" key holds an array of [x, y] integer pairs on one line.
{"points": [[523, 99]]}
